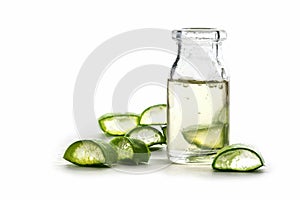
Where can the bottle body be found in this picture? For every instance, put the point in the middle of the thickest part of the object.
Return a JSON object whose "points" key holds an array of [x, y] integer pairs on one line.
{"points": [[198, 104]]}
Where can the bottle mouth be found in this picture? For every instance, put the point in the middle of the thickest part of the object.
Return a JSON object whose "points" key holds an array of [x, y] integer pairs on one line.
{"points": [[200, 34]]}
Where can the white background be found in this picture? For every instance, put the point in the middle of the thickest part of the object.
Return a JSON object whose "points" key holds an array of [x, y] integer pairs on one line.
{"points": [[43, 45]]}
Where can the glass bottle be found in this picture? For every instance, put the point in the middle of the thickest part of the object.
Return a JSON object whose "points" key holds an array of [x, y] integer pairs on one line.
{"points": [[198, 97]]}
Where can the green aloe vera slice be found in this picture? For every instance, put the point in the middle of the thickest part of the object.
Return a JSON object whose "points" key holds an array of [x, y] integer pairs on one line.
{"points": [[130, 150], [237, 157], [91, 153], [154, 115], [147, 134], [118, 124]]}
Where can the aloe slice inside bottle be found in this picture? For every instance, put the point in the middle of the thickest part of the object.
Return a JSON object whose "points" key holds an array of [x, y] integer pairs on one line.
{"points": [[206, 136]]}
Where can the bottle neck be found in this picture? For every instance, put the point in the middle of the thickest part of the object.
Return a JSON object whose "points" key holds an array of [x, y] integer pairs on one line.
{"points": [[201, 50], [204, 56]]}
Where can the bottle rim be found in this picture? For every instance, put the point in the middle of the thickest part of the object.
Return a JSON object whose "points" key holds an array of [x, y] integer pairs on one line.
{"points": [[200, 34]]}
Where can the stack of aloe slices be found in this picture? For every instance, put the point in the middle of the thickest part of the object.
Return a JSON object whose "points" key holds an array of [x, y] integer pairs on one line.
{"points": [[133, 138], [143, 127]]}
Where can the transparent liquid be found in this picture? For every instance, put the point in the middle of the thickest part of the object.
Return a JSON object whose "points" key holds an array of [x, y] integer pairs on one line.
{"points": [[198, 120]]}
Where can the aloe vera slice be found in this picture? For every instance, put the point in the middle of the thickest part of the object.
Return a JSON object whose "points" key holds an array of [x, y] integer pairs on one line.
{"points": [[130, 150], [147, 134], [118, 124], [90, 153], [154, 115], [237, 157], [212, 137]]}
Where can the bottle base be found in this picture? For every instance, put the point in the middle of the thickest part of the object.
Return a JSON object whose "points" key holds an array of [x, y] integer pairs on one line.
{"points": [[203, 158]]}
